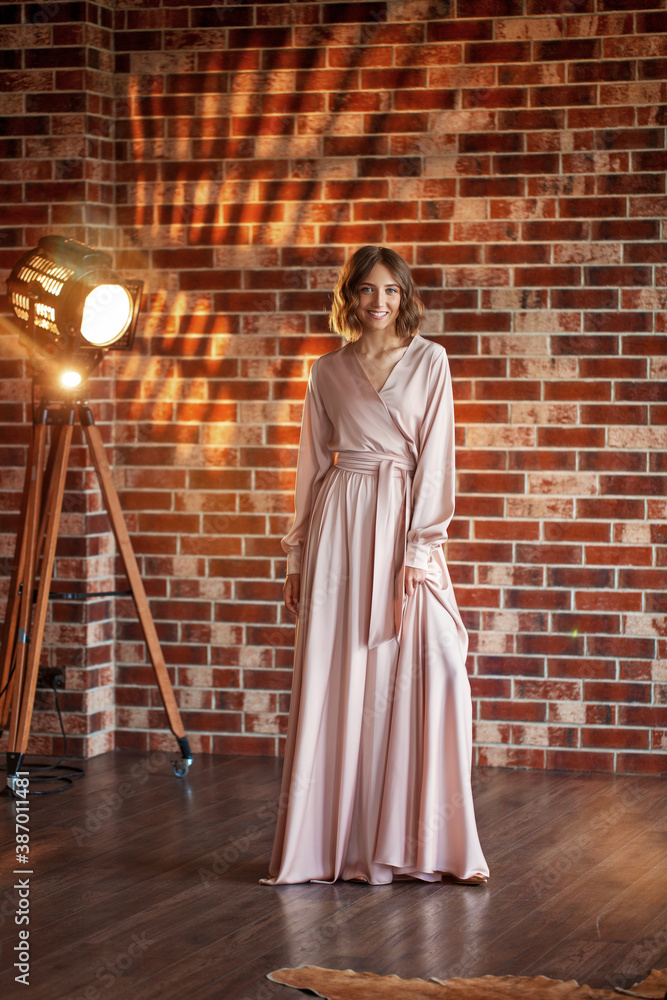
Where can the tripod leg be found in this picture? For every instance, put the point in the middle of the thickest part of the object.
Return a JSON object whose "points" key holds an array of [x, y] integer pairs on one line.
{"points": [[120, 531], [19, 632], [14, 594], [22, 707]]}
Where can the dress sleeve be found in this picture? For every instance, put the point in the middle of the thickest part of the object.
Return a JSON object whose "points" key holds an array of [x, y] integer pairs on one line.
{"points": [[434, 478], [313, 463]]}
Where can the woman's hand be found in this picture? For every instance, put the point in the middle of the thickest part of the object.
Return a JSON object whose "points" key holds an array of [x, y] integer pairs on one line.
{"points": [[291, 592], [413, 577]]}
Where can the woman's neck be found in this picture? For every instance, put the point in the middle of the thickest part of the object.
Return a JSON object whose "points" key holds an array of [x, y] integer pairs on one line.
{"points": [[374, 342]]}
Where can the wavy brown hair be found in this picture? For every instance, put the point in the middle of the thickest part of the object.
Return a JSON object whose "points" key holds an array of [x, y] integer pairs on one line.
{"points": [[343, 319]]}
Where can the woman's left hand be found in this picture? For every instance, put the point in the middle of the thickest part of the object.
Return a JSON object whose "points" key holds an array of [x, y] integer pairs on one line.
{"points": [[413, 577]]}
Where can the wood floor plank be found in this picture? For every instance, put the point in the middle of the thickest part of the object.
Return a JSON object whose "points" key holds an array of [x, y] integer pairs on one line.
{"points": [[146, 887]]}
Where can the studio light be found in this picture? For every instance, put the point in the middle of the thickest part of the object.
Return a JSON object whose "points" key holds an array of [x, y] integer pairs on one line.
{"points": [[72, 307]]}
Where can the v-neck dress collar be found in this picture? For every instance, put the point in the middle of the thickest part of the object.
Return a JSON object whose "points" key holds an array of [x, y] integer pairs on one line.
{"points": [[391, 373]]}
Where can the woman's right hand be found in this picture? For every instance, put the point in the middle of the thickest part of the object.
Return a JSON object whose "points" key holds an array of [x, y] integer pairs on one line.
{"points": [[291, 592]]}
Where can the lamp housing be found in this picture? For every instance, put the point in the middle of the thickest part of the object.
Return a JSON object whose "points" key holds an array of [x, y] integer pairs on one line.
{"points": [[71, 306]]}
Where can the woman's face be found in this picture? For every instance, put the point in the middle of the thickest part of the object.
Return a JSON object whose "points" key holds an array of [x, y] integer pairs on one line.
{"points": [[379, 300]]}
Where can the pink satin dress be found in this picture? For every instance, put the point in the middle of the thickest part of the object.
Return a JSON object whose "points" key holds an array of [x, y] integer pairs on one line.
{"points": [[376, 779]]}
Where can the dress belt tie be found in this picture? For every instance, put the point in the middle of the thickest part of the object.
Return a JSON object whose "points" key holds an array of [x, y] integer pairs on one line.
{"points": [[388, 577]]}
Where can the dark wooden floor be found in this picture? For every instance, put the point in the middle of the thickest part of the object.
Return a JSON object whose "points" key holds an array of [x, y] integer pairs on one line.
{"points": [[145, 887]]}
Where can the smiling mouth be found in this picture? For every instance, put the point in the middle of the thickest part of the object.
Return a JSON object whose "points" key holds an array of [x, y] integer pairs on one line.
{"points": [[377, 315]]}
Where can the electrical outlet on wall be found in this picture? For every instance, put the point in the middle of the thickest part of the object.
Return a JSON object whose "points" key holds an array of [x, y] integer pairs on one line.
{"points": [[50, 677]]}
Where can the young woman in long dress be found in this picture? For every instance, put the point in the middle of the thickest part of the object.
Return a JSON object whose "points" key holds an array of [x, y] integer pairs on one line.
{"points": [[376, 779]]}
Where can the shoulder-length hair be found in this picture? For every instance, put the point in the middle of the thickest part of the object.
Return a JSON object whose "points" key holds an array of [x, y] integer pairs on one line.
{"points": [[343, 319]]}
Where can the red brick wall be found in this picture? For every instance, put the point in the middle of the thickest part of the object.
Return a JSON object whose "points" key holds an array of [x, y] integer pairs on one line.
{"points": [[57, 175], [514, 152]]}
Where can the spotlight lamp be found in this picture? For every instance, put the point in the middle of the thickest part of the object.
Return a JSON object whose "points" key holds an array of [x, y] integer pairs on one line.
{"points": [[72, 307]]}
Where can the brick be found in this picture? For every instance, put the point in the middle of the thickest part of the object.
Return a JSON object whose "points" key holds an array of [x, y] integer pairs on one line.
{"points": [[550, 554], [642, 763], [524, 711], [498, 97], [645, 345], [497, 756], [374, 79], [565, 298], [591, 207], [245, 745], [614, 691], [425, 100], [11, 13], [590, 162], [634, 485], [399, 232], [535, 163], [600, 462], [459, 30], [569, 668], [535, 459], [642, 715], [618, 275], [493, 142], [479, 321], [565, 96], [611, 118], [612, 368], [631, 555], [542, 119], [505, 530], [482, 551], [621, 322], [651, 69], [628, 138], [548, 690], [548, 276], [549, 231], [637, 184], [497, 52], [587, 72], [390, 167], [527, 75], [355, 102], [616, 646], [426, 55], [578, 531], [579, 760], [624, 414], [641, 579], [582, 345], [366, 13], [480, 187], [376, 55], [491, 732], [645, 253], [568, 49]]}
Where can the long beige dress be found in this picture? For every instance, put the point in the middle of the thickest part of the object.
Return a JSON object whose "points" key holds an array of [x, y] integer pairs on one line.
{"points": [[376, 780]]}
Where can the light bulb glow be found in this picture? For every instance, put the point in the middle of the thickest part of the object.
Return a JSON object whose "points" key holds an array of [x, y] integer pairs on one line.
{"points": [[107, 313], [70, 379]]}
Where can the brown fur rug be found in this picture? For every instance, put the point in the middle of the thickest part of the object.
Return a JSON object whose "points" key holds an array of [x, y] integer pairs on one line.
{"points": [[334, 984]]}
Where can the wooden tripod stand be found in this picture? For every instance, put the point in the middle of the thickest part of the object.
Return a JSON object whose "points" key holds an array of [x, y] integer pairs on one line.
{"points": [[23, 631]]}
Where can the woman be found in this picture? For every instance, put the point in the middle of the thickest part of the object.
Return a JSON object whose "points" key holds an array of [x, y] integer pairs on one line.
{"points": [[376, 780]]}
